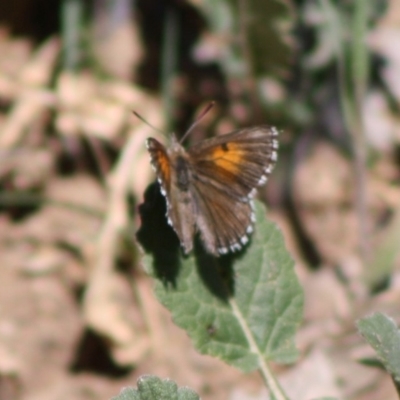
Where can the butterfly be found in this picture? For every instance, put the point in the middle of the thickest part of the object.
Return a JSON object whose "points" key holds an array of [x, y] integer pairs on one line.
{"points": [[209, 187]]}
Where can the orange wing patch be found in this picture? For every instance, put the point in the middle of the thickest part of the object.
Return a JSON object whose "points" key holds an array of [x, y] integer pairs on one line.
{"points": [[160, 161], [164, 167], [228, 156]]}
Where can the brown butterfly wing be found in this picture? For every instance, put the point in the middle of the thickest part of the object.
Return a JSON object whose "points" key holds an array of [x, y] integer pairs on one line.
{"points": [[180, 206], [237, 162], [224, 223]]}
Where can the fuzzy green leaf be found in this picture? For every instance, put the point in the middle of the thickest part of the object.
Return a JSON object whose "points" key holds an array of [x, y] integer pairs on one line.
{"points": [[128, 394], [151, 387], [383, 335], [243, 308]]}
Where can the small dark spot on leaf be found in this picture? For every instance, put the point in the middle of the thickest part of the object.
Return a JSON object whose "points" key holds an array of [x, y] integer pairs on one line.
{"points": [[211, 330]]}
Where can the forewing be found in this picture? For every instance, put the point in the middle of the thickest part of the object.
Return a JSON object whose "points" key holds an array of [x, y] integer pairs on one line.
{"points": [[224, 223], [161, 164], [236, 162], [180, 208]]}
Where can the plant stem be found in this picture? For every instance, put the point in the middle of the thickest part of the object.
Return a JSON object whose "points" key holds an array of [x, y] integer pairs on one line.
{"points": [[359, 74], [169, 63], [268, 376], [72, 22], [250, 83], [352, 95]]}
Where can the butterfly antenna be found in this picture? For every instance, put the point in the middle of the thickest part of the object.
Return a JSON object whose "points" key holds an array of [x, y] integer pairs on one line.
{"points": [[198, 119], [147, 123]]}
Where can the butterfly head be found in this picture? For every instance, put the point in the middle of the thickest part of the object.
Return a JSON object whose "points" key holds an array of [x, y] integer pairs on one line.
{"points": [[176, 145]]}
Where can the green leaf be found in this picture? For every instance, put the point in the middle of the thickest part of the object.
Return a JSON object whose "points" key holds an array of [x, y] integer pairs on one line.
{"points": [[127, 394], [151, 387], [243, 308], [383, 335]]}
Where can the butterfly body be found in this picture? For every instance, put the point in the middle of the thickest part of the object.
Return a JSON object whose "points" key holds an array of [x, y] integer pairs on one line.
{"points": [[209, 187]]}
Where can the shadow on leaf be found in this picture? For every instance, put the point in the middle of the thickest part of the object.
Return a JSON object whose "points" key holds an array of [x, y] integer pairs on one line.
{"points": [[157, 237], [215, 272]]}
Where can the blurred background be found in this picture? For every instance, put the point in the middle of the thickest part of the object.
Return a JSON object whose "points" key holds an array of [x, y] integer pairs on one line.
{"points": [[78, 318]]}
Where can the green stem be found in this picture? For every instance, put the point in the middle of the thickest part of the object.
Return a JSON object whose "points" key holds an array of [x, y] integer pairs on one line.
{"points": [[250, 84], [359, 75], [169, 63], [71, 22], [267, 374], [352, 94]]}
